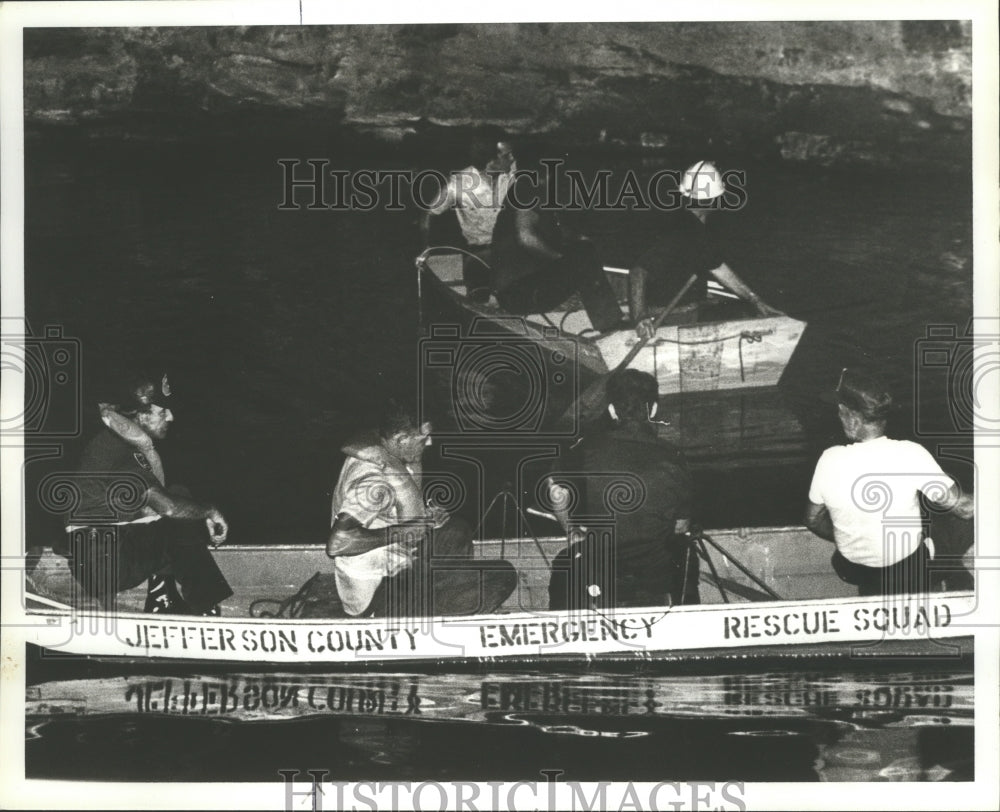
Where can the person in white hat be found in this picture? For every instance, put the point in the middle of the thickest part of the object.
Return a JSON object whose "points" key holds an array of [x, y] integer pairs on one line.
{"points": [[688, 247]]}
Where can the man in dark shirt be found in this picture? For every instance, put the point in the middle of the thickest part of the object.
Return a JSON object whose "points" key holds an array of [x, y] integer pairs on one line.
{"points": [[128, 527], [635, 507], [538, 262], [689, 246]]}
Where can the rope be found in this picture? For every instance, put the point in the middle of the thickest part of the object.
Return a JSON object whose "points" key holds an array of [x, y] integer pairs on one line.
{"points": [[289, 607], [750, 338]]}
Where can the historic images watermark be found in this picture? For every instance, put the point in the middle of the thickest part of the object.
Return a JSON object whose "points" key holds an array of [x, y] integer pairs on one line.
{"points": [[501, 382], [956, 380], [312, 184], [547, 794], [48, 366]]}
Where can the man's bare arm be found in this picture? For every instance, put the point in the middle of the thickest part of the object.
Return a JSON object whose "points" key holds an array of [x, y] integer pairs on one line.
{"points": [[526, 222], [637, 277], [728, 277], [175, 506], [961, 504], [818, 520]]}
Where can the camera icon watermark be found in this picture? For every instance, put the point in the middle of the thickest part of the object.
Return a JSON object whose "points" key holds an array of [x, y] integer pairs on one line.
{"points": [[957, 380], [48, 366], [501, 377]]}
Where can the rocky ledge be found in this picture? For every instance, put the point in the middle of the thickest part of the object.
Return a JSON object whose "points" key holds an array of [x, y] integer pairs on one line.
{"points": [[896, 94]]}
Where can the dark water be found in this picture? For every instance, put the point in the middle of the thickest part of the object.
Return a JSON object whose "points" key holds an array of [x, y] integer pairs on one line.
{"points": [[809, 726], [285, 330]]}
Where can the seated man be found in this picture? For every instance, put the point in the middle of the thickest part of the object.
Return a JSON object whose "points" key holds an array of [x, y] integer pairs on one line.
{"points": [[476, 194], [645, 557], [393, 555], [538, 262], [688, 246], [881, 549], [128, 527]]}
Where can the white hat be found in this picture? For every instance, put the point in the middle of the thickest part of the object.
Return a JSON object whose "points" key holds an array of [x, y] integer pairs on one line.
{"points": [[702, 181]]}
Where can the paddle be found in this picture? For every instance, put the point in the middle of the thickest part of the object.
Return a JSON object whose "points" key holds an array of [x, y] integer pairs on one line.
{"points": [[593, 400]]}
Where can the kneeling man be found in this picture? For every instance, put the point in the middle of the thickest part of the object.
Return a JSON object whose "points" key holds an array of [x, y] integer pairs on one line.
{"points": [[393, 554]]}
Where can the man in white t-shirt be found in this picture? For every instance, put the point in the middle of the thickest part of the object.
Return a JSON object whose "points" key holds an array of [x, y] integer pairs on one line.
{"points": [[476, 194], [865, 496]]}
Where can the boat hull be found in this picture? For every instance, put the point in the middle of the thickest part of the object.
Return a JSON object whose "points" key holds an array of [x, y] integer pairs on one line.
{"points": [[814, 619], [850, 627], [705, 357], [700, 357]]}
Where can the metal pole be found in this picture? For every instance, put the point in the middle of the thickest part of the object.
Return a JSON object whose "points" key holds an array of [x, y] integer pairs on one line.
{"points": [[741, 568]]}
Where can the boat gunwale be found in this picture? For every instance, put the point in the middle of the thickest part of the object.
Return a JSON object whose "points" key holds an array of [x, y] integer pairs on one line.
{"points": [[495, 313], [513, 617]]}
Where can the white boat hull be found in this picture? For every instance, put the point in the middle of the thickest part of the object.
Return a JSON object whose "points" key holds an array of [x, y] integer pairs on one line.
{"points": [[858, 626], [709, 356]]}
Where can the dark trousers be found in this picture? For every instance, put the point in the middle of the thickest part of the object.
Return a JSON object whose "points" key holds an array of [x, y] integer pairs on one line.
{"points": [[109, 559], [579, 270], [589, 575], [446, 580], [906, 576], [952, 539]]}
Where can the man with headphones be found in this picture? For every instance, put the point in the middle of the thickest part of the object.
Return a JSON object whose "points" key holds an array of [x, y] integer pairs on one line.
{"points": [[633, 508]]}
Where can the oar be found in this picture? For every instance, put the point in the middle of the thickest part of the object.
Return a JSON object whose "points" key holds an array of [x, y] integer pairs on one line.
{"points": [[593, 399]]}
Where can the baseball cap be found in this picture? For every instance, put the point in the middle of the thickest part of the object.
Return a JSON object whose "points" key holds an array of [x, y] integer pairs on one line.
{"points": [[862, 393]]}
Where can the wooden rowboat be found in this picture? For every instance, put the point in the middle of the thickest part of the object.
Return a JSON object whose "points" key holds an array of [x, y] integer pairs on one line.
{"points": [[705, 356], [816, 616]]}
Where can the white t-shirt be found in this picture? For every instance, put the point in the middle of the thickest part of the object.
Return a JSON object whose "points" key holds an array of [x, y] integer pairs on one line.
{"points": [[870, 489], [477, 198], [377, 497]]}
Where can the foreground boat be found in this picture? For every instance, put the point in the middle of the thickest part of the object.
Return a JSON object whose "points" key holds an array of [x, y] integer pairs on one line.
{"points": [[706, 356], [740, 619]]}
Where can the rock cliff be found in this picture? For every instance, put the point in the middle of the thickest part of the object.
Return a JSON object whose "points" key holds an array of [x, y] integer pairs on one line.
{"points": [[888, 93]]}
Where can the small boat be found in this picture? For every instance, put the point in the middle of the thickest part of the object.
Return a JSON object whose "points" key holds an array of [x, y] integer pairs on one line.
{"points": [[699, 357], [768, 594]]}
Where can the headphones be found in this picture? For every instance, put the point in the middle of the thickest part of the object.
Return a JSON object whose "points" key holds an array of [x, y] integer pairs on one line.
{"points": [[651, 410]]}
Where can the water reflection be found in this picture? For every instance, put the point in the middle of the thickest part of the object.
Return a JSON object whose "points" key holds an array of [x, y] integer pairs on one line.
{"points": [[871, 726]]}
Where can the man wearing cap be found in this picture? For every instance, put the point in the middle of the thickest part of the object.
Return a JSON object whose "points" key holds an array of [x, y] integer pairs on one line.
{"points": [[128, 526], [394, 554], [688, 247], [865, 496]]}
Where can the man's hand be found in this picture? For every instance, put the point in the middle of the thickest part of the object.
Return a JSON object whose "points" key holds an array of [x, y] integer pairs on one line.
{"points": [[437, 516], [218, 527], [559, 496], [644, 329]]}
